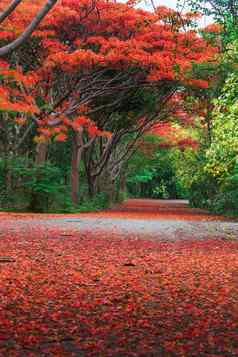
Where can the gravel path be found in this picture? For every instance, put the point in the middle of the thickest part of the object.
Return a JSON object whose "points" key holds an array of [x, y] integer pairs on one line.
{"points": [[165, 229], [136, 218]]}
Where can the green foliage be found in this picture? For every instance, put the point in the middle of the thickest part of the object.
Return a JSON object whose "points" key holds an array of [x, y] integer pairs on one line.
{"points": [[203, 190], [224, 12], [154, 176], [42, 188], [226, 200], [200, 187], [211, 174], [161, 191], [144, 175], [223, 153], [222, 156], [35, 187], [122, 196], [100, 201]]}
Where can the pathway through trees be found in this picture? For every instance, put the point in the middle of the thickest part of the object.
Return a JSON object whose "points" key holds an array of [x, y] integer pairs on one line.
{"points": [[136, 218], [148, 278]]}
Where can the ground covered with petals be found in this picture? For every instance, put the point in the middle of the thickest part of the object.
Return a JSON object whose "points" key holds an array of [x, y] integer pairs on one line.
{"points": [[66, 293]]}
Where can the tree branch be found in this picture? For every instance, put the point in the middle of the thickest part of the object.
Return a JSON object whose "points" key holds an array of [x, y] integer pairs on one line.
{"points": [[29, 30], [11, 7]]}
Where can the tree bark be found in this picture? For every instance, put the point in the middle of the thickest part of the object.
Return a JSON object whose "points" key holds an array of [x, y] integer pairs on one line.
{"points": [[75, 161], [92, 186], [41, 153], [11, 7]]}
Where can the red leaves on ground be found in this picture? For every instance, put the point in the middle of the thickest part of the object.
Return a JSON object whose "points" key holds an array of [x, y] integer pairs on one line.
{"points": [[71, 294], [159, 209]]}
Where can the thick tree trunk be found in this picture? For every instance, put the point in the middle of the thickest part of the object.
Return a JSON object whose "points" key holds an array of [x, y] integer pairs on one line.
{"points": [[76, 157]]}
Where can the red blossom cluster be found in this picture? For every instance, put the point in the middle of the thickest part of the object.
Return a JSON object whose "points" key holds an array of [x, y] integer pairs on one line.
{"points": [[173, 136], [215, 28], [59, 132], [80, 39], [16, 89]]}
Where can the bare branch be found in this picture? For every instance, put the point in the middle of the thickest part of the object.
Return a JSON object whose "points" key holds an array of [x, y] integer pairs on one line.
{"points": [[11, 7], [29, 30]]}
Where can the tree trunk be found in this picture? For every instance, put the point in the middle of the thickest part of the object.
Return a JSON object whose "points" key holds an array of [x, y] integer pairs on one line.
{"points": [[92, 186], [122, 185], [108, 186], [76, 157], [41, 153]]}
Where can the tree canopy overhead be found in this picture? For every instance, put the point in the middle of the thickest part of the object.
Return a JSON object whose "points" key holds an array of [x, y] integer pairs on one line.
{"points": [[99, 74]]}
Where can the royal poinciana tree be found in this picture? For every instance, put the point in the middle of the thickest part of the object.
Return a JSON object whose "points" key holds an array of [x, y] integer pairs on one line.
{"points": [[103, 75]]}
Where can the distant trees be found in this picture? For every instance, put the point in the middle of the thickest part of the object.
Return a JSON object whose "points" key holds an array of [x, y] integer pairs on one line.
{"points": [[224, 12]]}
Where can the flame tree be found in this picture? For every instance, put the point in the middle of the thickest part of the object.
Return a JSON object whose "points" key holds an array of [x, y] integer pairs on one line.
{"points": [[104, 73]]}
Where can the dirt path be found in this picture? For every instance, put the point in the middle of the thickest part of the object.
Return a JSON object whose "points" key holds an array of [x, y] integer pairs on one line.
{"points": [[148, 219], [159, 219], [148, 278]]}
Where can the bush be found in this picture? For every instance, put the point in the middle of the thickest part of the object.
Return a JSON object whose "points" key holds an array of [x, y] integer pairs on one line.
{"points": [[226, 200], [37, 188], [100, 201], [203, 190]]}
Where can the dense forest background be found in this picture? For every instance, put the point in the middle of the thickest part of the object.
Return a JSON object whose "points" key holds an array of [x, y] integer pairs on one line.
{"points": [[105, 101]]}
